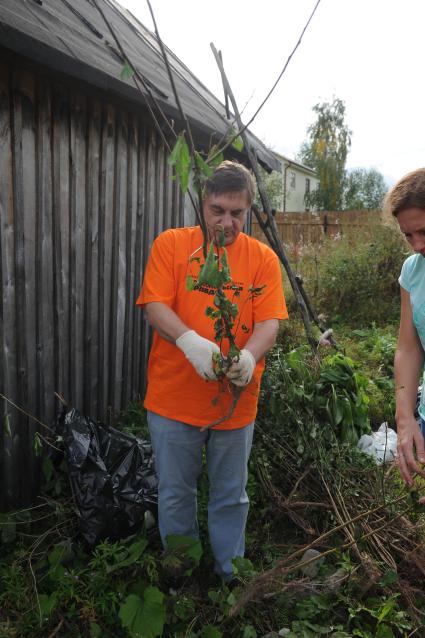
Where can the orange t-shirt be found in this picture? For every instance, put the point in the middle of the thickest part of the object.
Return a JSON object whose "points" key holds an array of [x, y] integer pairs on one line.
{"points": [[175, 390]]}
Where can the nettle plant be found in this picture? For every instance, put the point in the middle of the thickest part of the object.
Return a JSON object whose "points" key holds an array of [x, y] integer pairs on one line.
{"points": [[215, 273]]}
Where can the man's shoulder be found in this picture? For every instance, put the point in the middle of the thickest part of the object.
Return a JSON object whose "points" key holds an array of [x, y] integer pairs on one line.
{"points": [[258, 246], [173, 234]]}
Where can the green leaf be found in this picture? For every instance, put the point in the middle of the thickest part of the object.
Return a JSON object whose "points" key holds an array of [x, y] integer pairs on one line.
{"points": [[144, 618], [202, 166], [243, 567], [249, 632], [237, 143], [175, 153], [210, 273], [220, 237], [389, 578], [95, 630], [217, 160], [127, 71], [135, 550], [180, 160], [209, 631], [384, 631], [47, 604], [61, 552], [47, 467], [231, 599], [38, 447], [386, 609], [185, 546], [6, 425]]}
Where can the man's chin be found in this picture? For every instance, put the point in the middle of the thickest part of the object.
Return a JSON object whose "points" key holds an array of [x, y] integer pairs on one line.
{"points": [[229, 239]]}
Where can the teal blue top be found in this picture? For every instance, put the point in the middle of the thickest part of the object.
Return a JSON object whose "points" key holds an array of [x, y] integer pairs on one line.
{"points": [[412, 279]]}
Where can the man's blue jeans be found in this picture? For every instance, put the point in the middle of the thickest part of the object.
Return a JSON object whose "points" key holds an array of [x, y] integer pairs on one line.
{"points": [[178, 456]]}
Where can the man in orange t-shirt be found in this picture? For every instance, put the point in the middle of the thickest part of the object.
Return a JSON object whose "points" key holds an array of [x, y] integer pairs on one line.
{"points": [[183, 393]]}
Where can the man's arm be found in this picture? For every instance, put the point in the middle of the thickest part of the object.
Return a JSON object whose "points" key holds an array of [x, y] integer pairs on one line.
{"points": [[165, 321], [263, 338]]}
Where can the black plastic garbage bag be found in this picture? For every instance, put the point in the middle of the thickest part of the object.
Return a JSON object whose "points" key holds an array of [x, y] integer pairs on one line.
{"points": [[112, 477]]}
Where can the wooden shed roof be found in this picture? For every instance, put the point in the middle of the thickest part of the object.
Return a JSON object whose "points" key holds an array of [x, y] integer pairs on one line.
{"points": [[71, 36]]}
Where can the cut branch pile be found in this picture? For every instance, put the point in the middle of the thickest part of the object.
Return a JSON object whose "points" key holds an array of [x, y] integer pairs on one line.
{"points": [[343, 507]]}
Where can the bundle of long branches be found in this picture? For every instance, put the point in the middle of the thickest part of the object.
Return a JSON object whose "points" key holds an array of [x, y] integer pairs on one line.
{"points": [[339, 501]]}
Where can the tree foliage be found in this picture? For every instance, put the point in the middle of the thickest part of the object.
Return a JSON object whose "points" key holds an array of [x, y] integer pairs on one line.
{"points": [[365, 189], [273, 183], [325, 151]]}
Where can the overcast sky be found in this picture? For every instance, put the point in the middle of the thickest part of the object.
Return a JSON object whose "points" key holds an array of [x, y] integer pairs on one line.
{"points": [[369, 53]]}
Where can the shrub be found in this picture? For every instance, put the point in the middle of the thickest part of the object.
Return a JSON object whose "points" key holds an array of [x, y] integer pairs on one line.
{"points": [[359, 281], [354, 279]]}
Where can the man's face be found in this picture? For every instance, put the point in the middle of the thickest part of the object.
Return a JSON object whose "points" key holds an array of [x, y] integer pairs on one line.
{"points": [[229, 210]]}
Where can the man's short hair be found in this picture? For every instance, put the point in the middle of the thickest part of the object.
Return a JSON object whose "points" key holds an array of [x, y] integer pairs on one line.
{"points": [[230, 177], [408, 192]]}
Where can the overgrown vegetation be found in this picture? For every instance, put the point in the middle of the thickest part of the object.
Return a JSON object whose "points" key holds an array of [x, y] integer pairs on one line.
{"points": [[308, 483], [354, 279], [309, 487]]}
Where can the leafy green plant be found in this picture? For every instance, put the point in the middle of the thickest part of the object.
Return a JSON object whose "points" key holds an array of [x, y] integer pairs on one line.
{"points": [[341, 392], [378, 618], [144, 616], [182, 555], [358, 277]]}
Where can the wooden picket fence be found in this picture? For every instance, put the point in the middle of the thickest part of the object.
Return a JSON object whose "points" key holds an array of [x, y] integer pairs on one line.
{"points": [[312, 228]]}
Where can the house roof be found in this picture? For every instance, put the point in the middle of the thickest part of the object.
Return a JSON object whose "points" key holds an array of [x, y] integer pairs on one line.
{"points": [[72, 37], [290, 162]]}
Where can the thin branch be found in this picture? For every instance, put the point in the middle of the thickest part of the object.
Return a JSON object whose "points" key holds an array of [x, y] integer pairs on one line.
{"points": [[282, 571], [199, 212], [285, 66], [30, 416], [243, 128], [271, 223], [171, 77], [138, 76], [147, 93]]}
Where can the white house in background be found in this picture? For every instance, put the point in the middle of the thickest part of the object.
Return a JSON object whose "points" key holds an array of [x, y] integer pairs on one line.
{"points": [[297, 181]]}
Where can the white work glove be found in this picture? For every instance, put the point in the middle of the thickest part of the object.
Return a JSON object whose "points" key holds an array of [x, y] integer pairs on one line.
{"points": [[240, 372], [199, 351]]}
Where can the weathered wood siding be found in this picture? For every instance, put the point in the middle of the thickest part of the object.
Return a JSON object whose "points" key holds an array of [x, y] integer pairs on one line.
{"points": [[312, 228], [84, 189]]}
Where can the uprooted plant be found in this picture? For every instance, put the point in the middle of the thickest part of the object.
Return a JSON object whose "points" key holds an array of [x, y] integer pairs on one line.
{"points": [[225, 313]]}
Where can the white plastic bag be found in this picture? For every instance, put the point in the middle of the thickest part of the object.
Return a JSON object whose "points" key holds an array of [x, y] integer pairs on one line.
{"points": [[382, 444]]}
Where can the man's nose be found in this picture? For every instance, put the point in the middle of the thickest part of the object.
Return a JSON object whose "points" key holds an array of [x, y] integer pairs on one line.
{"points": [[227, 220]]}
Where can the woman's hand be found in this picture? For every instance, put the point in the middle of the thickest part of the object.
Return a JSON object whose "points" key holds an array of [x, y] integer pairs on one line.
{"points": [[410, 450]]}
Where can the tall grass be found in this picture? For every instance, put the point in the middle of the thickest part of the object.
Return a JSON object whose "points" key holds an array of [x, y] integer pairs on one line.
{"points": [[353, 279]]}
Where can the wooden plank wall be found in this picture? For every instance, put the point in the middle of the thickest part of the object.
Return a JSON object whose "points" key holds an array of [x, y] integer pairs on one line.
{"points": [[84, 189], [313, 228]]}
